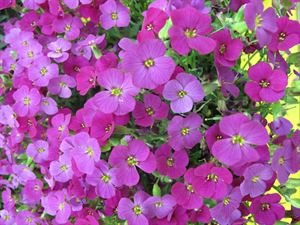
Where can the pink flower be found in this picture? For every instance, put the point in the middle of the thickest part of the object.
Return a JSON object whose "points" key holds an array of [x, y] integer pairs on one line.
{"points": [[27, 101], [152, 109], [61, 169], [38, 150], [86, 79], [119, 96], [188, 30]]}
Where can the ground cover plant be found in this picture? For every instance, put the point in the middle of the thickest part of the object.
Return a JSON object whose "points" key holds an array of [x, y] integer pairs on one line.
{"points": [[139, 112]]}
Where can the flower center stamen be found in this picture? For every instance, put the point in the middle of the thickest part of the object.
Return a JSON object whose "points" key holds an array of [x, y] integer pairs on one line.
{"points": [[116, 92], [264, 83], [131, 161], [237, 139], [190, 33], [149, 111], [137, 210], [181, 93], [170, 162], [114, 16], [26, 101], [105, 178], [212, 177], [149, 63], [185, 131]]}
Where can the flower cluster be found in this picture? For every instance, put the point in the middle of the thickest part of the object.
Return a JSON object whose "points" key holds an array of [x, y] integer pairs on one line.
{"points": [[159, 119]]}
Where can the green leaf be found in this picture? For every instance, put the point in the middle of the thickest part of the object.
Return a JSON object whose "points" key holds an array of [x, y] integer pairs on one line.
{"points": [[293, 183], [239, 16], [114, 141], [96, 51], [106, 148], [239, 27], [294, 59], [276, 109], [295, 202], [163, 34], [156, 191], [281, 223]]}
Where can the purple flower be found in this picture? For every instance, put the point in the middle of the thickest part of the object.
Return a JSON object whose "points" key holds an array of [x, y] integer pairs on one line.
{"points": [[133, 212], [7, 217], [226, 78], [114, 14], [61, 170], [119, 96], [228, 49], [148, 64], [183, 92], [265, 84], [187, 33], [284, 161], [104, 179], [185, 193], [170, 163], [287, 35], [68, 25], [27, 101], [49, 106], [8, 116], [242, 135], [211, 181], [159, 207], [264, 22], [281, 126], [61, 86], [38, 150], [73, 4], [197, 4], [183, 132], [58, 50], [223, 211], [86, 78], [255, 178], [152, 109], [32, 191], [126, 158], [55, 204], [266, 209], [29, 53]]}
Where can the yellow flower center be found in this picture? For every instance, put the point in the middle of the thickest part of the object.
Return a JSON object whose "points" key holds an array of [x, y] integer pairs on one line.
{"points": [[222, 49], [181, 93], [114, 16], [149, 63], [237, 139], [67, 28], [149, 27], [30, 54], [116, 92], [149, 111], [190, 188], [43, 71], [63, 168], [258, 21], [185, 131], [265, 206], [40, 150], [28, 219], [158, 204], [170, 162], [281, 161], [108, 128], [190, 33], [62, 84], [105, 178], [131, 161], [137, 210], [26, 101], [264, 83], [255, 179], [226, 201], [89, 151], [212, 177], [61, 206], [282, 36]]}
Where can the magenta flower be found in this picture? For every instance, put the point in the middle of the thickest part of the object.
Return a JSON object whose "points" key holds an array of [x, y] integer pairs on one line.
{"points": [[32, 191], [211, 181], [104, 179], [197, 4], [265, 84], [226, 78], [102, 126], [25, 217], [27, 101], [213, 134], [38, 150], [264, 22], [86, 79], [73, 4], [61, 170], [58, 50], [183, 132], [126, 158], [266, 209], [7, 4], [242, 134], [170, 163], [55, 204], [133, 212], [185, 193], [154, 21], [74, 64], [255, 178], [287, 35], [61, 86], [160, 207], [119, 96], [187, 34], [152, 109], [148, 64], [68, 25], [183, 92], [228, 49], [114, 14]]}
